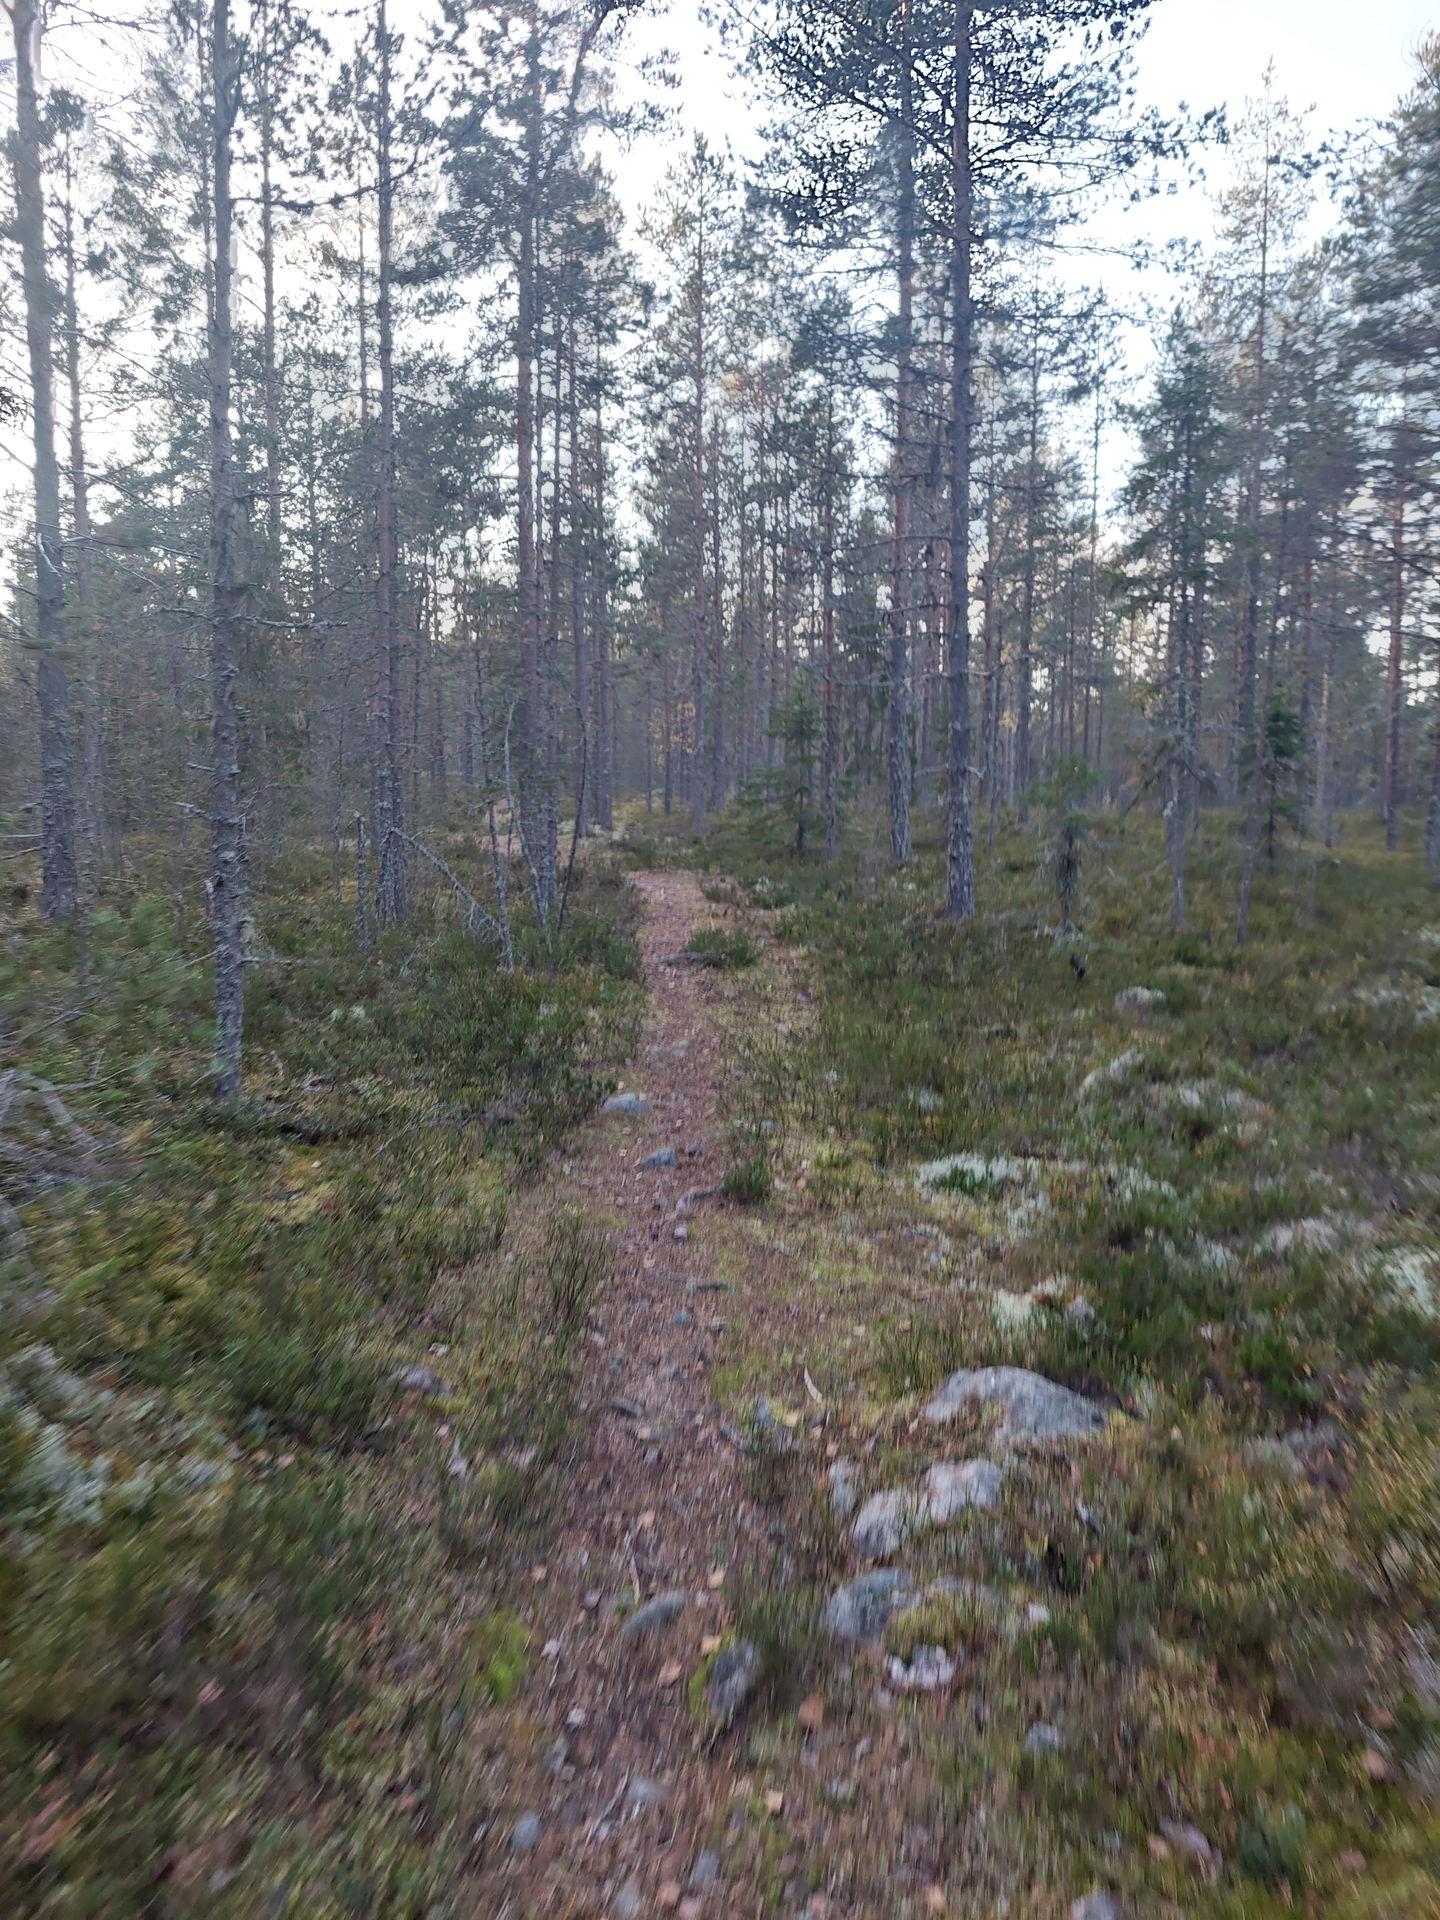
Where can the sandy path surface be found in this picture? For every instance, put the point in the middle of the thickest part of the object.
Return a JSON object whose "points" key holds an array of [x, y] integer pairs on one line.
{"points": [[628, 1788]]}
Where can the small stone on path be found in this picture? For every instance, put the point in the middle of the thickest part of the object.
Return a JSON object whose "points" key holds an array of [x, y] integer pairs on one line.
{"points": [[658, 1612], [666, 1157], [706, 1870], [731, 1679], [630, 1103], [525, 1833]]}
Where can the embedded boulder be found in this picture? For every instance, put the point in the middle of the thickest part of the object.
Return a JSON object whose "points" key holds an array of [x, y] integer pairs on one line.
{"points": [[1035, 1408]]}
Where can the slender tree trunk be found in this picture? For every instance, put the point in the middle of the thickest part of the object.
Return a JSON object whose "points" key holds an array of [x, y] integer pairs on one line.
{"points": [[536, 799], [1025, 660], [390, 812], [831, 743], [1322, 744], [1432, 813], [1394, 677], [960, 855], [57, 792], [1247, 744], [698, 529], [269, 359], [81, 616], [898, 721], [718, 730], [226, 824], [604, 684]]}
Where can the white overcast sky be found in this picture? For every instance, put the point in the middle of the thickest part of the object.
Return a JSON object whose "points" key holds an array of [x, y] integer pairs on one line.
{"points": [[1350, 62]]}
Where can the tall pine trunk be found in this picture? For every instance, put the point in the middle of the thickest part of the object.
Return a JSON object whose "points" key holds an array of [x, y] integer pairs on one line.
{"points": [[831, 741], [1395, 664], [227, 594], [390, 899], [698, 531], [960, 853], [57, 792], [81, 623], [899, 756]]}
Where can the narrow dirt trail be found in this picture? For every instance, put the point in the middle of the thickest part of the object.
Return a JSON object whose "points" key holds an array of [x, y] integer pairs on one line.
{"points": [[625, 1786]]}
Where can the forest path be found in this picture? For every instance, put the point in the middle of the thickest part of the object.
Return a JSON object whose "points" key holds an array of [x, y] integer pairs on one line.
{"points": [[611, 1789]]}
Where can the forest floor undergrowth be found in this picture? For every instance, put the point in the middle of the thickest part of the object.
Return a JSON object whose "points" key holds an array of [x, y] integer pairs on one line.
{"points": [[455, 1486]]}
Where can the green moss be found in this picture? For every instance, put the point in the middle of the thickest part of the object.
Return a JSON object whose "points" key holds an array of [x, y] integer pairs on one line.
{"points": [[498, 1643]]}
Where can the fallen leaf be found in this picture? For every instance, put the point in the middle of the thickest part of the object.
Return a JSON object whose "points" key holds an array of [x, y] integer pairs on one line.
{"points": [[935, 1900], [711, 1643], [715, 1578], [667, 1897], [1376, 1766], [691, 1909], [539, 1575], [1159, 1849], [670, 1673], [647, 1519], [1353, 1862], [774, 1800], [812, 1713]]}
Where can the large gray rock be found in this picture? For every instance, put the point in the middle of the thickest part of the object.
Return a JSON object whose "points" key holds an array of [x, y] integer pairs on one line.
{"points": [[861, 1609], [953, 1485], [1035, 1408], [888, 1519], [665, 1157], [885, 1520], [844, 1488]]}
